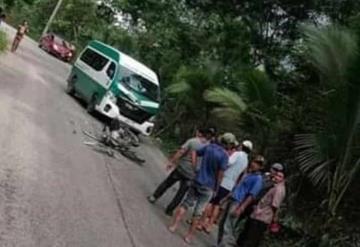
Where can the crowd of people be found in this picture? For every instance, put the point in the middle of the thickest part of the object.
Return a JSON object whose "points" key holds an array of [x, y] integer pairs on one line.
{"points": [[225, 183]]}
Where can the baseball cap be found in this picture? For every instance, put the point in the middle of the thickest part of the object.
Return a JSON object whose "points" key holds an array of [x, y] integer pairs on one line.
{"points": [[247, 144], [277, 167], [228, 138]]}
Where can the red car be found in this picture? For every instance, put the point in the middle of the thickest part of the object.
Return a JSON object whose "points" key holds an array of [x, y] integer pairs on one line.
{"points": [[57, 46]]}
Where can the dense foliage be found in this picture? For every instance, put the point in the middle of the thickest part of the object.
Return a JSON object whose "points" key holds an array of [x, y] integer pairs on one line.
{"points": [[281, 73]]}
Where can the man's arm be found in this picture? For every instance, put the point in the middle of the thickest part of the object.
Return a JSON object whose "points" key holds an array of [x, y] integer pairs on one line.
{"points": [[275, 217], [242, 206], [238, 180], [173, 160], [179, 154], [194, 158], [252, 194], [219, 179], [223, 165], [278, 198]]}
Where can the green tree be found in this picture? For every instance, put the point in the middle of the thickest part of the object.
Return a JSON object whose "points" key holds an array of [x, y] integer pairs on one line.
{"points": [[329, 155], [3, 42], [250, 106]]}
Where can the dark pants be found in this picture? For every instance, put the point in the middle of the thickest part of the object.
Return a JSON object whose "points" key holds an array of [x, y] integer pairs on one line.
{"points": [[174, 176], [230, 226], [253, 233]]}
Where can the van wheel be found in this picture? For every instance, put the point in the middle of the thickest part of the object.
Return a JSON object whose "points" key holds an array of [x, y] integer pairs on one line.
{"points": [[92, 103], [70, 88]]}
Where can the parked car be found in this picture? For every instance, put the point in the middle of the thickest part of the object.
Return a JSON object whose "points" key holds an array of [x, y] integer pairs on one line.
{"points": [[57, 46]]}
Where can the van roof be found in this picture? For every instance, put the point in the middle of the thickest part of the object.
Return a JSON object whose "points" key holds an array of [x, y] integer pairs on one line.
{"points": [[125, 60]]}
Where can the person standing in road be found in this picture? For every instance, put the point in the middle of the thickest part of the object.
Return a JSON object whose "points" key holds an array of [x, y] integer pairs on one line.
{"points": [[238, 163], [183, 164], [2, 15], [2, 18], [265, 213], [21, 31], [207, 181], [243, 195]]}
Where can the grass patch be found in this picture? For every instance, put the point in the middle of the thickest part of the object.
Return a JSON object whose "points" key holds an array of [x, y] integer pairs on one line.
{"points": [[3, 42]]}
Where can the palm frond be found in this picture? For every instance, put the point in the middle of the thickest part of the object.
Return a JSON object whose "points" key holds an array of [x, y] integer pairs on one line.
{"points": [[226, 98], [227, 114], [256, 87], [328, 156], [311, 159], [180, 87], [331, 50]]}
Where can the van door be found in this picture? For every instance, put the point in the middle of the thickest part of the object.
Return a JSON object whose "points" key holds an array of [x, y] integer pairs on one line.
{"points": [[92, 74]]}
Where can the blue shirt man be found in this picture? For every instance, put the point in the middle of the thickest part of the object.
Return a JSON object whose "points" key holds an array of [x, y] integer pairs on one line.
{"points": [[250, 186], [242, 196], [214, 159]]}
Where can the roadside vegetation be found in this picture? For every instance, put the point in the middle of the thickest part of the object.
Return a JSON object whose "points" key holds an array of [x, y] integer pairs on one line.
{"points": [[283, 74], [3, 42]]}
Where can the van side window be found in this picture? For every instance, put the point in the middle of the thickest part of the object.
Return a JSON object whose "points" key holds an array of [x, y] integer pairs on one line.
{"points": [[94, 60], [111, 70]]}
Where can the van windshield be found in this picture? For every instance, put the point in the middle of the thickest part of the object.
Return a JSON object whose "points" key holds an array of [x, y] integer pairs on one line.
{"points": [[140, 84]]}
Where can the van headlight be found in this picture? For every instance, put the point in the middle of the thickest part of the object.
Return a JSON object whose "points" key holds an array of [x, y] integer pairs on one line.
{"points": [[111, 97]]}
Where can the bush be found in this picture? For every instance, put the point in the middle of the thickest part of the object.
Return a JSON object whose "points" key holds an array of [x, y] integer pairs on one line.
{"points": [[3, 41]]}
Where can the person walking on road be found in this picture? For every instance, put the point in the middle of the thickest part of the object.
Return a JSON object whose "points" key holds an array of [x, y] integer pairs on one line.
{"points": [[238, 163], [21, 31], [2, 15], [243, 195], [265, 213], [207, 181], [2, 18], [183, 164]]}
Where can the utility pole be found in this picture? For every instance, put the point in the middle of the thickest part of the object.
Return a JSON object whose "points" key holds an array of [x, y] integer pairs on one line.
{"points": [[48, 24]]}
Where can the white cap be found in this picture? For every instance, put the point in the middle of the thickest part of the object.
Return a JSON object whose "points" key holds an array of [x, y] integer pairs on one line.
{"points": [[247, 144], [277, 166]]}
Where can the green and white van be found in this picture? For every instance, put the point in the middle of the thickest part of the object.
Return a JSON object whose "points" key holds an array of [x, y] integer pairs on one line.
{"points": [[116, 85]]}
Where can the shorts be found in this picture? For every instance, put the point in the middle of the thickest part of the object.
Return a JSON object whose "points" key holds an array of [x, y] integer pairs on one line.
{"points": [[221, 194], [198, 197], [19, 37]]}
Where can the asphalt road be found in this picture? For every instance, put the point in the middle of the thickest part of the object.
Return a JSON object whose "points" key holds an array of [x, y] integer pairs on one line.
{"points": [[54, 190]]}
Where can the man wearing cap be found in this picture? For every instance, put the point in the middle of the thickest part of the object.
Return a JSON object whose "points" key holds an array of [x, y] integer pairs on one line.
{"points": [[265, 212], [207, 181], [268, 183], [183, 165], [238, 162], [241, 197]]}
